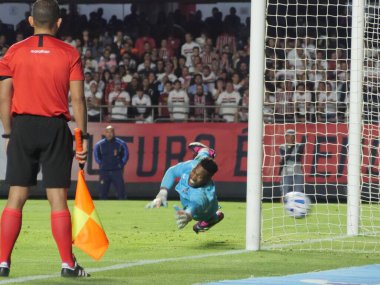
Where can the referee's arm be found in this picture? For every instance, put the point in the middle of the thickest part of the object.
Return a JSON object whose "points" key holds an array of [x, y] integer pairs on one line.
{"points": [[5, 103], [79, 104]]}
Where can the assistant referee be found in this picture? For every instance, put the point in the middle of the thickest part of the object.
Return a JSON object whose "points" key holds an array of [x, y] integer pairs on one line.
{"points": [[41, 70]]}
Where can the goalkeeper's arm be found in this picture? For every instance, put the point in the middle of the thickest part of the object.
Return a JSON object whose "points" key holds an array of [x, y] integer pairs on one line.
{"points": [[160, 200]]}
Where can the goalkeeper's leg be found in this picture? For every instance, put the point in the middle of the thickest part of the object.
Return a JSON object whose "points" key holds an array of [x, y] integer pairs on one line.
{"points": [[203, 226], [198, 148]]}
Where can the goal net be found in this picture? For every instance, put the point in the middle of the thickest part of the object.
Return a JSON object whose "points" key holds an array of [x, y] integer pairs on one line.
{"points": [[308, 76]]}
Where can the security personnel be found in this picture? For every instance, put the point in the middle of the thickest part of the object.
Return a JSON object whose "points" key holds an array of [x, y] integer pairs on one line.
{"points": [[111, 153]]}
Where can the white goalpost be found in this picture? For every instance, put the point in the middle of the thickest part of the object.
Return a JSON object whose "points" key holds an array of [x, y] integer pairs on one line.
{"points": [[314, 72], [355, 119], [255, 126]]}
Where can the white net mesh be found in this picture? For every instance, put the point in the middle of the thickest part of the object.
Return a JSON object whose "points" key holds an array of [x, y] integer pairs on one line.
{"points": [[307, 83]]}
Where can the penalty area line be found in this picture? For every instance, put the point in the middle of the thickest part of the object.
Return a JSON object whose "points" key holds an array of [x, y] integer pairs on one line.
{"points": [[123, 266]]}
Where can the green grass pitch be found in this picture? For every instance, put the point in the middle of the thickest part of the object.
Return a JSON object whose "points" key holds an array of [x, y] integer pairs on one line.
{"points": [[148, 248]]}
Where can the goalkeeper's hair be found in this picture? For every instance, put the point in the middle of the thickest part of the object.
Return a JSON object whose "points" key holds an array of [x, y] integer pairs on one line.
{"points": [[209, 165], [45, 13]]}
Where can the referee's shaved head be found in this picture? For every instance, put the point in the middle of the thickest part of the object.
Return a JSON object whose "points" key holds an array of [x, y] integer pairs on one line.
{"points": [[45, 13]]}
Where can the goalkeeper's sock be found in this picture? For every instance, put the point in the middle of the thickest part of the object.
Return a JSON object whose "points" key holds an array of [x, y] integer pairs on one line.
{"points": [[11, 221], [61, 229]]}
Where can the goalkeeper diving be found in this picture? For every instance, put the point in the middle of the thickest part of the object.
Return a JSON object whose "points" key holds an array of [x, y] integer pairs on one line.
{"points": [[195, 188]]}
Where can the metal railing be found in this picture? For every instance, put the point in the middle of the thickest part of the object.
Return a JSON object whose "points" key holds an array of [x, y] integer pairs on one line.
{"points": [[161, 114]]}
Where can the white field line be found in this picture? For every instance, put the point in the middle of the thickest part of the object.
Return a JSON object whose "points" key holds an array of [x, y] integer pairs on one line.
{"points": [[279, 246], [155, 261], [122, 266]]}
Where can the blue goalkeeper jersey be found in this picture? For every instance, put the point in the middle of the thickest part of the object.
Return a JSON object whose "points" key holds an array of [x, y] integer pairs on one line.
{"points": [[201, 202]]}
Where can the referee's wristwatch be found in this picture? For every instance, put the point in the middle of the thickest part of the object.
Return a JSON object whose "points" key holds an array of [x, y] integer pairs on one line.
{"points": [[6, 136]]}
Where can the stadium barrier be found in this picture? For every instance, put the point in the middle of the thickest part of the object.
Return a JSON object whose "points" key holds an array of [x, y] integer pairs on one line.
{"points": [[155, 147]]}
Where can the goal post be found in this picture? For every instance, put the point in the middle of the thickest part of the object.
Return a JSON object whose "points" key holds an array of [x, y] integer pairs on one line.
{"points": [[314, 72], [355, 118], [255, 125]]}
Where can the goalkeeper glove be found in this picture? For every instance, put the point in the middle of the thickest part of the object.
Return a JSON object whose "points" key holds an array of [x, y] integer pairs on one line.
{"points": [[160, 200], [182, 217]]}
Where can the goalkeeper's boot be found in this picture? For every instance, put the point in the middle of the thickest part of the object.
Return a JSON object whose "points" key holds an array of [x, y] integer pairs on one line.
{"points": [[76, 271], [196, 147], [203, 226], [4, 269]]}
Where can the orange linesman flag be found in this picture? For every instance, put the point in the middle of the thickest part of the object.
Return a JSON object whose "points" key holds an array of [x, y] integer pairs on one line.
{"points": [[87, 230]]}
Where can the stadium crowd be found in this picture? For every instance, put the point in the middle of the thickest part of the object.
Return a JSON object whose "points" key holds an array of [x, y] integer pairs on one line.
{"points": [[307, 62], [175, 69], [186, 68]]}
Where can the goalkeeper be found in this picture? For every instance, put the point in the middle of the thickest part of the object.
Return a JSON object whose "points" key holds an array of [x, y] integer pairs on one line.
{"points": [[195, 188]]}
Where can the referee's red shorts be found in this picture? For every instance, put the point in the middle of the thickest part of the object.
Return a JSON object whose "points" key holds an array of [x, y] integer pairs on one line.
{"points": [[39, 141]]}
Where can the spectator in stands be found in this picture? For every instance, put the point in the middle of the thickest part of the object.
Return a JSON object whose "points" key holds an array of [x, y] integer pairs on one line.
{"points": [[228, 102], [284, 105], [164, 53], [214, 23], [89, 61], [142, 109], [146, 62], [163, 111], [236, 81], [302, 100], [331, 66], [198, 102], [197, 67], [244, 104], [129, 62], [197, 80], [217, 89], [146, 68], [179, 63], [242, 69], [201, 40], [106, 78], [232, 20], [290, 167], [133, 85], [208, 55], [215, 67], [185, 77], [268, 110], [174, 43], [132, 22], [118, 103], [297, 58], [144, 39], [99, 81], [315, 75], [87, 80], [208, 77], [285, 72], [342, 89], [187, 48], [94, 99], [227, 38], [320, 93], [168, 72], [178, 103], [226, 63], [110, 86], [327, 104]]}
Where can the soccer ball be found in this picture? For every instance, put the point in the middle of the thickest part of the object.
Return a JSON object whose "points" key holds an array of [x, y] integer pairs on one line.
{"points": [[297, 204]]}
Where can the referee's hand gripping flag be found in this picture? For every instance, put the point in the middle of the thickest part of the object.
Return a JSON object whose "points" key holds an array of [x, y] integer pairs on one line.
{"points": [[88, 233]]}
